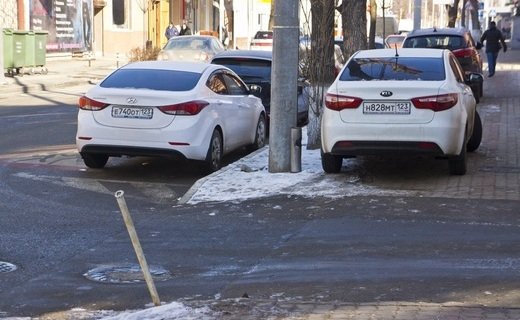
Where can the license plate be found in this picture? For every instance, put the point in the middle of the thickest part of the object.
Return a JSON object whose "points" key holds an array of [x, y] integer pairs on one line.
{"points": [[132, 112], [386, 107]]}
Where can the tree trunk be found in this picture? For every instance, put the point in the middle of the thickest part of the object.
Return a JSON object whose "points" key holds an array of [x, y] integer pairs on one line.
{"points": [[354, 30], [271, 15], [452, 13], [373, 21], [320, 65]]}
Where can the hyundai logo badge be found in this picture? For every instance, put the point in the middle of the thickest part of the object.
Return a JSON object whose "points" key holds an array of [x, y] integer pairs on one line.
{"points": [[386, 93], [131, 100]]}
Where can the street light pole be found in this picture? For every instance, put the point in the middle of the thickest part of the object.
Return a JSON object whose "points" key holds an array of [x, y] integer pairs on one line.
{"points": [[284, 79], [417, 14]]}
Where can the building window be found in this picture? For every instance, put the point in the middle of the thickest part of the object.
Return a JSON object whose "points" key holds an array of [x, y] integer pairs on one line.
{"points": [[119, 12]]}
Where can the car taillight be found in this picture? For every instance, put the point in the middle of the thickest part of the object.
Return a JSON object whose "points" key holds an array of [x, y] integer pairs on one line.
{"points": [[186, 108], [92, 105], [436, 103], [463, 53], [338, 103]]}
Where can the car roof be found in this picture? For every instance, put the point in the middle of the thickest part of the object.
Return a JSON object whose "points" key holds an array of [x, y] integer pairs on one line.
{"points": [[256, 54], [441, 31], [196, 37], [402, 52], [187, 66]]}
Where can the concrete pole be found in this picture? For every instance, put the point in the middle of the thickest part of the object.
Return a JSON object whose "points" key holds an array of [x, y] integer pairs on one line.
{"points": [[284, 79], [2, 70], [417, 9]]}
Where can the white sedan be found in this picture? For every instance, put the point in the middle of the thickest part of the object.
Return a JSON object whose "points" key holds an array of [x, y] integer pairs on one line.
{"points": [[396, 101], [164, 108]]}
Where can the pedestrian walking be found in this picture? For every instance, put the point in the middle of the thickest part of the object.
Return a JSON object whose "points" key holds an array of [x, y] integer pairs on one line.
{"points": [[185, 30], [494, 42], [171, 31]]}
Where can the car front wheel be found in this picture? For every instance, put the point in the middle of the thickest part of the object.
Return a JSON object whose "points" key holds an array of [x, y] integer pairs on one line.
{"points": [[213, 160], [260, 134], [331, 163], [94, 160], [476, 137]]}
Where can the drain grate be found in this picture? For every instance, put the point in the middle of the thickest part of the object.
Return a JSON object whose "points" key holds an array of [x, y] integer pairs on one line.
{"points": [[125, 273], [7, 267]]}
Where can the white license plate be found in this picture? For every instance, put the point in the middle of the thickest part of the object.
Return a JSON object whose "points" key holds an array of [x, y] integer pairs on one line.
{"points": [[386, 107], [132, 112]]}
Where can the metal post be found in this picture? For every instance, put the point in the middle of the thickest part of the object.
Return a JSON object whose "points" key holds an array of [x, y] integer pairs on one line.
{"points": [[284, 80], [296, 149], [137, 247]]}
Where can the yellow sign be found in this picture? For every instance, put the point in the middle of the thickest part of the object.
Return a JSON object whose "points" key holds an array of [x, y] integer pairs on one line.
{"points": [[265, 1]]}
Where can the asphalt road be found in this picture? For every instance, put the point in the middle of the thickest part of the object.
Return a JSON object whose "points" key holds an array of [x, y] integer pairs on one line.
{"points": [[60, 220]]}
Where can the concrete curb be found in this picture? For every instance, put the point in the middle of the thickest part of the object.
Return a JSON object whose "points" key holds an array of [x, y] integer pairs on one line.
{"points": [[199, 183]]}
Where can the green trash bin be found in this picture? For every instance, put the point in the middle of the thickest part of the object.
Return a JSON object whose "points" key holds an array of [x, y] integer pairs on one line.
{"points": [[8, 49], [40, 51], [23, 54]]}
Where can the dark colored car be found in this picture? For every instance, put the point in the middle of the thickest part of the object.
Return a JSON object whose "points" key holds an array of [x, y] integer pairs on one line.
{"points": [[254, 67], [457, 40]]}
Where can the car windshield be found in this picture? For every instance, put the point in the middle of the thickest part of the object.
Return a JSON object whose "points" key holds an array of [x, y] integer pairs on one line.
{"points": [[395, 68], [153, 79], [436, 41], [247, 69], [187, 44]]}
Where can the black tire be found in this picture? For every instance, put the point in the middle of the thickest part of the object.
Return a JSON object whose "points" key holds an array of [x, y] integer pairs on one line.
{"points": [[476, 137], [458, 164], [94, 160], [331, 163], [260, 134], [213, 160]]}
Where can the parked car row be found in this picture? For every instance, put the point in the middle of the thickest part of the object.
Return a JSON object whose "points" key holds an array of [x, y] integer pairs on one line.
{"points": [[411, 99]]}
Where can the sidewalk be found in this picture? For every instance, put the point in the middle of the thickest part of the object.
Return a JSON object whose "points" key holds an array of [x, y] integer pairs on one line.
{"points": [[62, 72]]}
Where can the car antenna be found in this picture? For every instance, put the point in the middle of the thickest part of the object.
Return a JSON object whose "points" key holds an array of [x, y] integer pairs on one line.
{"points": [[396, 54]]}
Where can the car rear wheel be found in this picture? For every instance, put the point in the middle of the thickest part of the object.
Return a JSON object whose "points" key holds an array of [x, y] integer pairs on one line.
{"points": [[260, 134], [476, 137], [94, 160], [458, 164], [213, 160], [331, 163]]}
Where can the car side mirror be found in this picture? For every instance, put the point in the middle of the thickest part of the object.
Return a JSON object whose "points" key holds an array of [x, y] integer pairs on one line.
{"points": [[479, 45], [255, 90], [475, 78]]}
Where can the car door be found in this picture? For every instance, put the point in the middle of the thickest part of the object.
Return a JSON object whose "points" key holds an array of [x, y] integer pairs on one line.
{"points": [[246, 109], [226, 110], [467, 98]]}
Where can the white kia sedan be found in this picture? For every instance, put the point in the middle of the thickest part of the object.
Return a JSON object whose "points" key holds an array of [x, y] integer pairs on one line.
{"points": [[396, 101], [187, 110]]}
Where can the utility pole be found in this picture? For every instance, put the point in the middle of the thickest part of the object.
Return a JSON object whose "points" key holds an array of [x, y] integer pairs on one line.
{"points": [[284, 79], [417, 9]]}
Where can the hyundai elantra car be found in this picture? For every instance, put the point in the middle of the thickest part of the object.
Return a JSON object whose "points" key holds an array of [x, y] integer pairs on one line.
{"points": [[186, 110], [397, 101]]}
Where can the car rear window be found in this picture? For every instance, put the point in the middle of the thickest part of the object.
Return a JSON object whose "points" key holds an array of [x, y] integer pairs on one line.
{"points": [[451, 42], [264, 35], [247, 69], [427, 69], [153, 79]]}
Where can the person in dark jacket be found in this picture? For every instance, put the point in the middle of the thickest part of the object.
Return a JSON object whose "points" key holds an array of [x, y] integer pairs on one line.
{"points": [[494, 39], [185, 30], [171, 31]]}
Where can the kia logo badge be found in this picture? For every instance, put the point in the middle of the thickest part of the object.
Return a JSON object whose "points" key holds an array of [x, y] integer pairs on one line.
{"points": [[131, 100], [386, 93]]}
